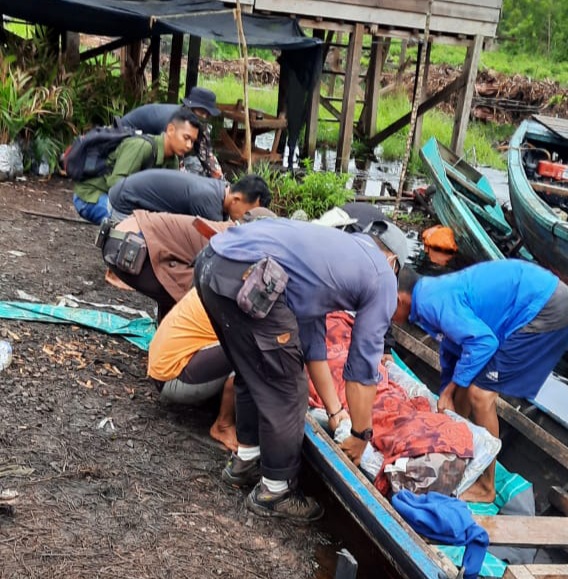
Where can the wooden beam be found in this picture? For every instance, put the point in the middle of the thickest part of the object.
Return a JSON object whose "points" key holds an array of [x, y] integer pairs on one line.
{"points": [[350, 88], [368, 120], [524, 531], [463, 108], [536, 572], [193, 54], [155, 47], [425, 106], [113, 45], [175, 67], [558, 498], [417, 139], [532, 431]]}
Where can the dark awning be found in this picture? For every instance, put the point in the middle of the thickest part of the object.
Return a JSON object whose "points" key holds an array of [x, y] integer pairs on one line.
{"points": [[142, 18]]}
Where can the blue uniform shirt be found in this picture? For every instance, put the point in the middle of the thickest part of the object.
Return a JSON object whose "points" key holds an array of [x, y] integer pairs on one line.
{"points": [[329, 271], [476, 309]]}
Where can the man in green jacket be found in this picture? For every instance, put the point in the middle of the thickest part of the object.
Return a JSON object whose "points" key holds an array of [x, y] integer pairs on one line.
{"points": [[135, 154]]}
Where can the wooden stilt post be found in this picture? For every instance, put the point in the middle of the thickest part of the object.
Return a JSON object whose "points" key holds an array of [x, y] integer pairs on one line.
{"points": [[309, 149], [244, 55], [155, 48], [193, 54], [368, 119], [175, 67], [463, 107], [349, 97], [422, 97], [415, 103]]}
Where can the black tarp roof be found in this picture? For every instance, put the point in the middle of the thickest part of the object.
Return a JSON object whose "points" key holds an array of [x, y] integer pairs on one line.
{"points": [[143, 18]]}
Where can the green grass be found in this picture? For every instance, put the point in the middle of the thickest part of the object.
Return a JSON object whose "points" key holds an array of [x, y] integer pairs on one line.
{"points": [[480, 138]]}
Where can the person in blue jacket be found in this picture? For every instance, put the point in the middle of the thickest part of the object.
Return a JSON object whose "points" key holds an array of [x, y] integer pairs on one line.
{"points": [[502, 327]]}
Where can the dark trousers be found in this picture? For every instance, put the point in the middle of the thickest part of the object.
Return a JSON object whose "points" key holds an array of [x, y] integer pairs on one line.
{"points": [[270, 383], [145, 282]]}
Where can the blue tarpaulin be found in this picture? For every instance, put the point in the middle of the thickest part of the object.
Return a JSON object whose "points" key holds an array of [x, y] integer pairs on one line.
{"points": [[139, 331]]}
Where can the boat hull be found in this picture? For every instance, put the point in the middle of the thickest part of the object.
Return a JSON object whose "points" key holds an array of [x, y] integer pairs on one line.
{"points": [[543, 232]]}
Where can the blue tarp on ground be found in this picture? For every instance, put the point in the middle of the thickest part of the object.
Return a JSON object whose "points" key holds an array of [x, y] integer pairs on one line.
{"points": [[138, 331]]}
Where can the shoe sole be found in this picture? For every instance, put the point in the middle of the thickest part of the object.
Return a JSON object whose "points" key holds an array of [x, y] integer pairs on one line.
{"points": [[267, 513]]}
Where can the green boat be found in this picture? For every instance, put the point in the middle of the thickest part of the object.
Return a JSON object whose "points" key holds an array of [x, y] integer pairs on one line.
{"points": [[465, 202], [538, 188]]}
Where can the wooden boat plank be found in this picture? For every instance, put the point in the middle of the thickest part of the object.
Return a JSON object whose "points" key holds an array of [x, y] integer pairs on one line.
{"points": [[555, 124], [548, 443], [536, 572], [471, 187], [525, 531], [549, 188]]}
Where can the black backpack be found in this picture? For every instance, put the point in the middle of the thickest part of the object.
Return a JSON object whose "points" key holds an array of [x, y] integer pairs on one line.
{"points": [[87, 156]]}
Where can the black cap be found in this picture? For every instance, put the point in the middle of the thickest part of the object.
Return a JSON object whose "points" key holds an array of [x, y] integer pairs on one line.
{"points": [[202, 98]]}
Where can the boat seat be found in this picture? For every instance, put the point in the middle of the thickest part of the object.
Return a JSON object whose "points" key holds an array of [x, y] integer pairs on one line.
{"points": [[525, 531], [536, 572]]}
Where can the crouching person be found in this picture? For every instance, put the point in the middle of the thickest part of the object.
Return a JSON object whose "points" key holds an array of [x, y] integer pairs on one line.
{"points": [[188, 365]]}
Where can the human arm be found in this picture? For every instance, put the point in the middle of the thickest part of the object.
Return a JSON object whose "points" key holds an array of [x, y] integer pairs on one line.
{"points": [[446, 399], [471, 339], [360, 398], [323, 383], [388, 347], [204, 150]]}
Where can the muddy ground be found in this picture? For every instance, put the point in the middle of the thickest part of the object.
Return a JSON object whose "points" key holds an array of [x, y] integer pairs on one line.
{"points": [[141, 500]]}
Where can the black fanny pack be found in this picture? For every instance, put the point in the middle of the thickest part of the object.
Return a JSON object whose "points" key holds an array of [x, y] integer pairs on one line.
{"points": [[131, 249], [264, 283]]}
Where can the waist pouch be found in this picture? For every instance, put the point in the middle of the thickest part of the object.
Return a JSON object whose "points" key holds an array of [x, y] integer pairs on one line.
{"points": [[127, 255], [264, 283]]}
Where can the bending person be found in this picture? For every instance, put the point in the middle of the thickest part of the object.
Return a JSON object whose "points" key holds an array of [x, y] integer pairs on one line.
{"points": [[134, 155], [188, 365], [188, 194], [152, 119], [504, 326], [328, 270], [172, 244]]}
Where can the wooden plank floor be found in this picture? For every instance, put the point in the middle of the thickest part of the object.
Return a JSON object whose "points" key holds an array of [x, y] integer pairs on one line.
{"points": [[525, 531]]}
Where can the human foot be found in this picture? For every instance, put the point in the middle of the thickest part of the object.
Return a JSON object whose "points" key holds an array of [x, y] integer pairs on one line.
{"points": [[226, 435]]}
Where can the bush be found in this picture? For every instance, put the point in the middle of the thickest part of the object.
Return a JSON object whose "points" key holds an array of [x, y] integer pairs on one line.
{"points": [[313, 192]]}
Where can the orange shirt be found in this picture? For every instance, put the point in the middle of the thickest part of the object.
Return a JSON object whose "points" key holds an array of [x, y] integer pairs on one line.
{"points": [[185, 330]]}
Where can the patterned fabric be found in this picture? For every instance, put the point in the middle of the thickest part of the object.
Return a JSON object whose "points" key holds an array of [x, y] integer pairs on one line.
{"points": [[204, 151], [402, 426]]}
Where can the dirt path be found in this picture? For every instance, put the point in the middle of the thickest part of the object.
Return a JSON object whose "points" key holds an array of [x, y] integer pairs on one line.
{"points": [[139, 496]]}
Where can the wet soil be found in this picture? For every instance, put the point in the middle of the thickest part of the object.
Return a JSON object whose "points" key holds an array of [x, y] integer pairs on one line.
{"points": [[136, 496]]}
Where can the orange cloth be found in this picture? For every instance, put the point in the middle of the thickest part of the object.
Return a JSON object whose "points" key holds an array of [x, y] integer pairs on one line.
{"points": [[440, 237], [183, 332], [402, 426]]}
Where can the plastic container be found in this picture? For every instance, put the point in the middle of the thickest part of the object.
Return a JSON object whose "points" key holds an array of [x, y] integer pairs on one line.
{"points": [[5, 354]]}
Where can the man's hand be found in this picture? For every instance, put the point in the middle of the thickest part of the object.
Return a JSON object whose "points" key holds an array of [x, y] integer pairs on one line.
{"points": [[446, 399], [333, 421], [386, 358], [353, 447]]}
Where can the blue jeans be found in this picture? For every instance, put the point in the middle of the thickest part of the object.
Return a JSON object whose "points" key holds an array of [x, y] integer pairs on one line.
{"points": [[93, 212]]}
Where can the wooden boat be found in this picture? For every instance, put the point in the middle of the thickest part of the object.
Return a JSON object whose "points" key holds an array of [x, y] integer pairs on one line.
{"points": [[540, 203], [408, 554], [465, 202]]}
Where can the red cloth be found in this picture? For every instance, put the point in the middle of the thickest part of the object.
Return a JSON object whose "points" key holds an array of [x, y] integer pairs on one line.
{"points": [[402, 426]]}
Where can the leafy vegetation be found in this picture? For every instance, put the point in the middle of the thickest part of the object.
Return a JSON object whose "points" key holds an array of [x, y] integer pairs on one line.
{"points": [[313, 192]]}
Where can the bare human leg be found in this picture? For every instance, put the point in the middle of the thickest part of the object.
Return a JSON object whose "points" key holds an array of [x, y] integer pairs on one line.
{"points": [[224, 428], [483, 413]]}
